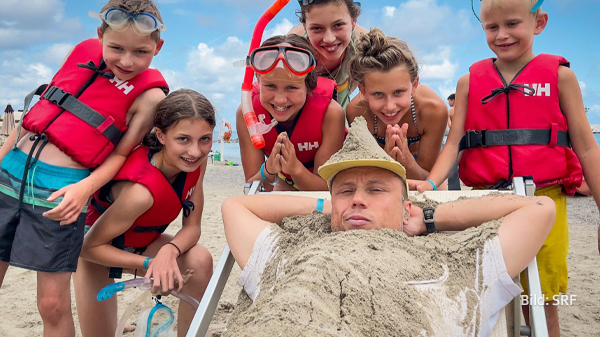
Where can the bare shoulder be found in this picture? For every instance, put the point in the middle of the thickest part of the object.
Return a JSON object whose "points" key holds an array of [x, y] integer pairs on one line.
{"points": [[357, 107], [148, 99], [566, 74], [429, 103], [334, 110], [298, 30]]}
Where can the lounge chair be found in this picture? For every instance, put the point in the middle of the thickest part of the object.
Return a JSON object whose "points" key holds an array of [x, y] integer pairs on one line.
{"points": [[508, 324]]}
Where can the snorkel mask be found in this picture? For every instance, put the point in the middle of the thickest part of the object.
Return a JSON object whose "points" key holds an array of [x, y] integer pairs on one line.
{"points": [[151, 308], [282, 62], [119, 19]]}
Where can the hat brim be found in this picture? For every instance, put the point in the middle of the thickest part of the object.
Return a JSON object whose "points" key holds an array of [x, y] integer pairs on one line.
{"points": [[329, 171]]}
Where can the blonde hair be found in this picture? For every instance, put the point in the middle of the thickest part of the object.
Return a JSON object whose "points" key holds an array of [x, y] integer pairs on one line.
{"points": [[134, 7], [531, 3], [375, 51]]}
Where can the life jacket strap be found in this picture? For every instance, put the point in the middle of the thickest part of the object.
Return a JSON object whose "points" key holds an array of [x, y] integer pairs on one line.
{"points": [[101, 124], [484, 138]]}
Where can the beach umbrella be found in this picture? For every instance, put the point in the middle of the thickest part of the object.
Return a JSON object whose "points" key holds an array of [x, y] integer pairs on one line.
{"points": [[8, 123]]}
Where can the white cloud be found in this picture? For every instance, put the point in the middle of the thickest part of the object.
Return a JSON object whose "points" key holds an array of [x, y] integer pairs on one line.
{"points": [[389, 11], [583, 88], [55, 54], [594, 109], [18, 78], [281, 28], [437, 65], [425, 24], [29, 23]]}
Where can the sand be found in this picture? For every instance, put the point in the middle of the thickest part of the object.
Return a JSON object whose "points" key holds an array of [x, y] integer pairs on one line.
{"points": [[18, 294]]}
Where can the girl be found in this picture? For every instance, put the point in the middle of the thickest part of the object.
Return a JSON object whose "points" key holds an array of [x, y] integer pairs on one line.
{"points": [[330, 26], [310, 123], [390, 95], [128, 215]]}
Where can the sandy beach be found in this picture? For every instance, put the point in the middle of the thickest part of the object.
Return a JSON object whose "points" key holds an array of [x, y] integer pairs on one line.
{"points": [[20, 316]]}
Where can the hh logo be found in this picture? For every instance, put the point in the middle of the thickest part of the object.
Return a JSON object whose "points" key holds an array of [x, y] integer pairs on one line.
{"points": [[306, 146], [539, 89], [122, 85], [189, 193]]}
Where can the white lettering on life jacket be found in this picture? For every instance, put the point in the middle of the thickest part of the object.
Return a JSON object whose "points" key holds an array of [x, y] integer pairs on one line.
{"points": [[306, 146], [189, 193], [122, 85], [538, 88]]}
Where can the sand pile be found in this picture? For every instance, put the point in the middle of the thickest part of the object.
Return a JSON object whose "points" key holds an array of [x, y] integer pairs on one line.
{"points": [[363, 283]]}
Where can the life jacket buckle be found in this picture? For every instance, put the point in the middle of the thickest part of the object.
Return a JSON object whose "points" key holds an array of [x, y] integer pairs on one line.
{"points": [[476, 138], [56, 95]]}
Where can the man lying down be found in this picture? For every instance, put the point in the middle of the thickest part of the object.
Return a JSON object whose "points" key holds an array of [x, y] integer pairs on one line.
{"points": [[362, 267]]}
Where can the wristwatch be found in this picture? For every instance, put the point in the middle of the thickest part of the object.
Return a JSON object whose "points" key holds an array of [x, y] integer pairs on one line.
{"points": [[429, 220]]}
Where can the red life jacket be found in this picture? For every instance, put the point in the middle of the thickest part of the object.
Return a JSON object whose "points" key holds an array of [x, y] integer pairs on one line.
{"points": [[306, 132], [513, 108], [111, 98], [168, 199]]}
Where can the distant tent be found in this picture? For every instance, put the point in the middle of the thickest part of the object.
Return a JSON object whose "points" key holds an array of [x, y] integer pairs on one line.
{"points": [[8, 123]]}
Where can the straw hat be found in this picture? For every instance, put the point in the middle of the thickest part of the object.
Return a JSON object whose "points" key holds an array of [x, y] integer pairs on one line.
{"points": [[360, 149]]}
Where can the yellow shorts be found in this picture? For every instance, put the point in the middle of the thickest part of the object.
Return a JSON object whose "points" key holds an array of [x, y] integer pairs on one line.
{"points": [[552, 257]]}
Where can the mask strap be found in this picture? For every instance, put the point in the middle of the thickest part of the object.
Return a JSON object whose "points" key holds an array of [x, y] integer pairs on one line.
{"points": [[535, 7]]}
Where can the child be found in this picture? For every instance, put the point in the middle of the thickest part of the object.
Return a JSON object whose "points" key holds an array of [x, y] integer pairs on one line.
{"points": [[128, 215], [390, 95], [330, 26], [310, 123], [45, 179], [518, 90]]}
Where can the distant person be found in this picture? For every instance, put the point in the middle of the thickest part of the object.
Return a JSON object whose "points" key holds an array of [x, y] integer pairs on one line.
{"points": [[407, 118], [369, 192], [330, 27], [310, 123], [97, 108], [522, 115], [451, 110]]}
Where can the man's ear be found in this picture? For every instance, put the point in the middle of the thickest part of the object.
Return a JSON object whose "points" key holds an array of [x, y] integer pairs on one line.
{"points": [[408, 205]]}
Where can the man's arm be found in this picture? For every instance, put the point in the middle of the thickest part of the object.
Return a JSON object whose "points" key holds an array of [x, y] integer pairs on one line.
{"points": [[245, 217], [526, 224]]}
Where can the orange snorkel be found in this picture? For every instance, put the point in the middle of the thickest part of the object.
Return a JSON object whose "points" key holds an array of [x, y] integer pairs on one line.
{"points": [[256, 128]]}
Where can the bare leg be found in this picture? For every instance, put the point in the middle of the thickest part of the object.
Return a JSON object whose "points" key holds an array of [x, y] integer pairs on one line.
{"points": [[551, 310], [3, 269], [200, 261], [97, 319], [54, 304]]}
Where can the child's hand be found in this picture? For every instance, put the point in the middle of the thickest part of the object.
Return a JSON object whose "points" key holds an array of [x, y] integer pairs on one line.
{"points": [[273, 163], [164, 270], [404, 156], [75, 197], [422, 186], [289, 162]]}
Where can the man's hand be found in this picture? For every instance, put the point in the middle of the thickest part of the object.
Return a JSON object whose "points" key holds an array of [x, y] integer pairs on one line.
{"points": [[415, 224], [75, 197]]}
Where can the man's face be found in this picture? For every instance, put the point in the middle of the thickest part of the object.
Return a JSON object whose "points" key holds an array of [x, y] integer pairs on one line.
{"points": [[367, 198], [451, 102]]}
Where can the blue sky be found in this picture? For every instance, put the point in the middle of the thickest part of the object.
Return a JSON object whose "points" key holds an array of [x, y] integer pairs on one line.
{"points": [[204, 37]]}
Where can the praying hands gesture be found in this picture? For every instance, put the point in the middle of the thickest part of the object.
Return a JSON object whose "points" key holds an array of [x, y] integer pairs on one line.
{"points": [[396, 145]]}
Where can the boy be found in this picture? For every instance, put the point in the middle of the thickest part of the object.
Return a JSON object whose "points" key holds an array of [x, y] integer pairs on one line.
{"points": [[103, 89], [451, 110], [538, 99]]}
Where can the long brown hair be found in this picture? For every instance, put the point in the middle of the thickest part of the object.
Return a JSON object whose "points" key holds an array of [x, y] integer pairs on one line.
{"points": [[179, 105]]}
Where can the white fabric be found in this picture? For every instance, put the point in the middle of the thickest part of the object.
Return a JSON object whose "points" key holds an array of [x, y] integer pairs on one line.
{"points": [[450, 316]]}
